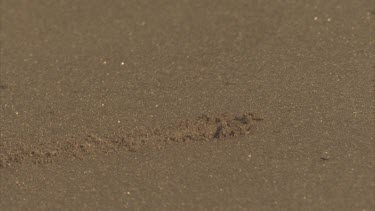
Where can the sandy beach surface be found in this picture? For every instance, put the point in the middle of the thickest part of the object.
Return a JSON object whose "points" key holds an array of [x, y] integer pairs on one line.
{"points": [[187, 105]]}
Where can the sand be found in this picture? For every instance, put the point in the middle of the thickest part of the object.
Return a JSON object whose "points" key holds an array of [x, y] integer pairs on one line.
{"points": [[187, 105]]}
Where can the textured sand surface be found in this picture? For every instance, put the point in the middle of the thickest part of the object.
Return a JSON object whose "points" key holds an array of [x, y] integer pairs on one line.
{"points": [[203, 128], [187, 105]]}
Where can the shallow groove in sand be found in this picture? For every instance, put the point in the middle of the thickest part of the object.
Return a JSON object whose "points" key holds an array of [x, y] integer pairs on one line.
{"points": [[203, 128]]}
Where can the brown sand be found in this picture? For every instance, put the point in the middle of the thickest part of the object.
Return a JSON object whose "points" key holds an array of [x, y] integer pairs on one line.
{"points": [[187, 105], [203, 128]]}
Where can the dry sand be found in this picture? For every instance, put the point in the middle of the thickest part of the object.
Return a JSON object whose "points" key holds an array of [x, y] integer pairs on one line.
{"points": [[187, 105]]}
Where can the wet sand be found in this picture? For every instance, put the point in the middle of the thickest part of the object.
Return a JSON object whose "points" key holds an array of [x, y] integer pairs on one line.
{"points": [[187, 105]]}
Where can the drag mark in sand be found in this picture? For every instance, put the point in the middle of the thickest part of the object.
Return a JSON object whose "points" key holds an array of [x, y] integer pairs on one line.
{"points": [[203, 128]]}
